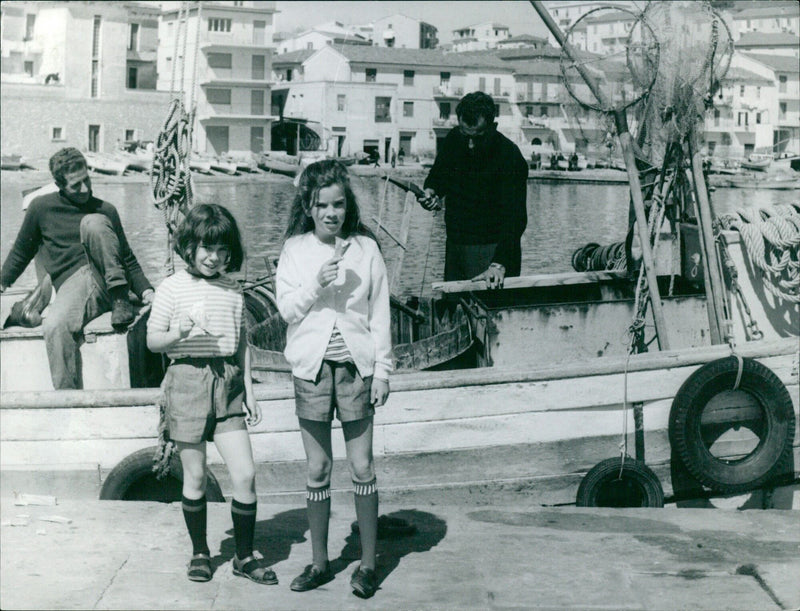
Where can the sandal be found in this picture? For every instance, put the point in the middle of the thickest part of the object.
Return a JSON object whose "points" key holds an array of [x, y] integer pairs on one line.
{"points": [[199, 568], [249, 567]]}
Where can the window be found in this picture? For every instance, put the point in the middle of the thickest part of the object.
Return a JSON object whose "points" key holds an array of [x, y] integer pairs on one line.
{"points": [[259, 31], [408, 77], [57, 133], [482, 84], [258, 68], [408, 109], [220, 60], [289, 74], [340, 102], [444, 111], [219, 25], [782, 83], [716, 117], [310, 46], [758, 118], [95, 78], [218, 96], [257, 102], [543, 112], [133, 37], [782, 108], [496, 86], [94, 138], [371, 75], [758, 92], [30, 22], [742, 119], [382, 110], [256, 139], [741, 90], [29, 68], [132, 77], [444, 78]]}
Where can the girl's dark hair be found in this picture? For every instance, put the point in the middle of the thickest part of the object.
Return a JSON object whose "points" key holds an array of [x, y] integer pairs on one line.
{"points": [[317, 176], [206, 225]]}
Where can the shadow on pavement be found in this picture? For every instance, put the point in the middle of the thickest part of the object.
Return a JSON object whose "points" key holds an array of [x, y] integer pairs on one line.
{"points": [[273, 538], [430, 530]]}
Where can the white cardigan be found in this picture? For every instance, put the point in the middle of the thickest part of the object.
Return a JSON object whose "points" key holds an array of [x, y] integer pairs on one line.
{"points": [[357, 302]]}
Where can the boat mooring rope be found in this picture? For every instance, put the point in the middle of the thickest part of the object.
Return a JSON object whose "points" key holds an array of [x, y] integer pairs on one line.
{"points": [[772, 240]]}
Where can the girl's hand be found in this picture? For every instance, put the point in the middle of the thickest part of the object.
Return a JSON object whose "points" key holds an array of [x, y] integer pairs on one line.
{"points": [[328, 271], [252, 410], [185, 325], [380, 392]]}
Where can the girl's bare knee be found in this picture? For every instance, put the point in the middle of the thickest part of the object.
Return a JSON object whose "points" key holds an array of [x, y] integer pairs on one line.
{"points": [[363, 469], [319, 471], [244, 479]]}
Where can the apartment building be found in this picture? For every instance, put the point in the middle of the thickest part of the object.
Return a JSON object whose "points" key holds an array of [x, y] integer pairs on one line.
{"points": [[605, 32], [769, 18], [786, 126], [745, 108], [68, 64], [566, 13], [479, 36], [522, 41], [404, 32], [227, 74], [384, 99], [141, 68], [331, 33]]}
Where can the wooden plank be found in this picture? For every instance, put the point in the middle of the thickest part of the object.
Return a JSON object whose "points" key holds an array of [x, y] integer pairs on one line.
{"points": [[530, 281]]}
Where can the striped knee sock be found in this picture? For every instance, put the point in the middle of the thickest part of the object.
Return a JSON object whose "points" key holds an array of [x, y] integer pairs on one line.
{"points": [[196, 515], [318, 510], [244, 526], [366, 500]]}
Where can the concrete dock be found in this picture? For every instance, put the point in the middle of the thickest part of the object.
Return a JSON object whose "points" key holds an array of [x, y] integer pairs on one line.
{"points": [[132, 555]]}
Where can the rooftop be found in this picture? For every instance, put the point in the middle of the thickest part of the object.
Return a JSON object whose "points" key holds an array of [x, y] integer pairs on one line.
{"points": [[740, 74], [780, 63], [768, 39], [768, 11]]}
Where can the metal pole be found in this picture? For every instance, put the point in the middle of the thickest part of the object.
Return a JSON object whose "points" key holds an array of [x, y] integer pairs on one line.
{"points": [[633, 176]]}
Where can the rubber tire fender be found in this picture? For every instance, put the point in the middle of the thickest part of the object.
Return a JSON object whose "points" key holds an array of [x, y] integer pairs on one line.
{"points": [[607, 471], [774, 450], [138, 466]]}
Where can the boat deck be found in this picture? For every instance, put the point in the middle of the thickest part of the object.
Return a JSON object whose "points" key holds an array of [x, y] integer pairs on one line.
{"points": [[462, 557]]}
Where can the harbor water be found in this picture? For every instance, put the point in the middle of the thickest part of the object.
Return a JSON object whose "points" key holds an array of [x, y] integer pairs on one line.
{"points": [[562, 216]]}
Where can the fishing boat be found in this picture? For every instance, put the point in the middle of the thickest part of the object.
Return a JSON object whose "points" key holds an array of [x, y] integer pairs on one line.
{"points": [[225, 166], [105, 164], [200, 164], [698, 372], [11, 162], [781, 182], [275, 165], [138, 162], [757, 162]]}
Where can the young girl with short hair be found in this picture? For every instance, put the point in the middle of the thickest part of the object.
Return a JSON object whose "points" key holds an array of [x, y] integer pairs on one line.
{"points": [[333, 293], [197, 320]]}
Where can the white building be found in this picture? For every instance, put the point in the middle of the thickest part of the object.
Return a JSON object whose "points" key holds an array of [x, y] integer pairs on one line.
{"points": [[566, 13], [479, 36], [787, 124], [771, 18], [404, 33], [331, 33], [227, 75], [782, 43]]}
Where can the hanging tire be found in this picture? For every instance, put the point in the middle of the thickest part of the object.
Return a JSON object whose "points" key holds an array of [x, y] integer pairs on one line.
{"points": [[610, 483], [259, 304], [761, 404], [133, 480]]}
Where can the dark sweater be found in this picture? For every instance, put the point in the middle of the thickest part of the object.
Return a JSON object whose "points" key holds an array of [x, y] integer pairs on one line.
{"points": [[486, 192], [52, 227]]}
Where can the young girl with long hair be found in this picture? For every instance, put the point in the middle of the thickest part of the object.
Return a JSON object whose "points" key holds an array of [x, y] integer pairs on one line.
{"points": [[197, 320], [333, 293]]}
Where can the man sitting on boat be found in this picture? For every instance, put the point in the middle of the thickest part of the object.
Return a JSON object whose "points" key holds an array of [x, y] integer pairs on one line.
{"points": [[82, 246], [483, 176]]}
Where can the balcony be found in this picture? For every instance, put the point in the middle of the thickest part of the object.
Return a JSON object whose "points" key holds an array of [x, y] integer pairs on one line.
{"points": [[233, 80], [449, 122], [233, 111], [447, 91]]}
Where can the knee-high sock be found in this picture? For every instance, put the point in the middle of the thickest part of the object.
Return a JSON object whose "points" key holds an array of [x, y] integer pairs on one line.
{"points": [[244, 526], [195, 514], [318, 509], [366, 499]]}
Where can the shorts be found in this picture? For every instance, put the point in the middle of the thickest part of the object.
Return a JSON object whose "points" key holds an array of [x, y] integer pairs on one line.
{"points": [[203, 396], [338, 387]]}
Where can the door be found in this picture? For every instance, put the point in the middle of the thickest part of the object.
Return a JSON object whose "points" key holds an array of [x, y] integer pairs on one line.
{"points": [[217, 138], [405, 145], [256, 139], [94, 138], [257, 102], [259, 29], [258, 68], [387, 149]]}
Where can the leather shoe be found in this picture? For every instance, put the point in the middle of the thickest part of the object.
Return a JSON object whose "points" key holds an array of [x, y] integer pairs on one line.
{"points": [[311, 578], [364, 582], [122, 313]]}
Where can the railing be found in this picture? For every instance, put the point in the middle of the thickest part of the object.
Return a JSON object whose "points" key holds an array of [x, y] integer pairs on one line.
{"points": [[448, 91], [224, 110], [449, 122]]}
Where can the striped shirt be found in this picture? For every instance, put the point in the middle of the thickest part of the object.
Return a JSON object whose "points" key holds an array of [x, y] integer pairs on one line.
{"points": [[337, 350], [214, 304]]}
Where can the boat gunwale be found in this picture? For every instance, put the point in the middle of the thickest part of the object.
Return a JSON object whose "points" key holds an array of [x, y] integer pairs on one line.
{"points": [[429, 380]]}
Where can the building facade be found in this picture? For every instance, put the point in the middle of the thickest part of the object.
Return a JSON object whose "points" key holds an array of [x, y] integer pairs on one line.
{"points": [[65, 77], [227, 74], [404, 33], [770, 18], [479, 36]]}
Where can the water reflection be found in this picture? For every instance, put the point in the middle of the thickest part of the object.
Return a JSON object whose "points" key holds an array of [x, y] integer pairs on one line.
{"points": [[561, 218]]}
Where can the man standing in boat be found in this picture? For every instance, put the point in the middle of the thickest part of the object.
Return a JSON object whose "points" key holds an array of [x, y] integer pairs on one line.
{"points": [[483, 176], [83, 248]]}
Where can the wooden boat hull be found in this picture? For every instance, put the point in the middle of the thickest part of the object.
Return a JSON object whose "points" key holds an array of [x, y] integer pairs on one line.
{"points": [[278, 167], [537, 430]]}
